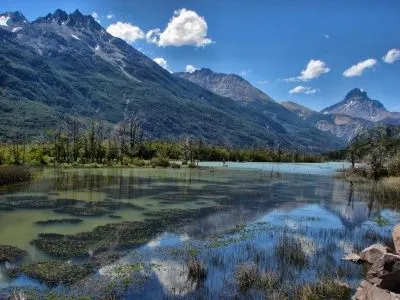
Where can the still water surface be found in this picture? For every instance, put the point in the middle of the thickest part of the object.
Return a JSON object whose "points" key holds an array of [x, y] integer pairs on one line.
{"points": [[267, 201]]}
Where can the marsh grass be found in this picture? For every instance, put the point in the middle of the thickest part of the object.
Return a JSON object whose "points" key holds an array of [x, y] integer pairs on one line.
{"points": [[14, 174], [329, 288], [289, 250], [196, 270]]}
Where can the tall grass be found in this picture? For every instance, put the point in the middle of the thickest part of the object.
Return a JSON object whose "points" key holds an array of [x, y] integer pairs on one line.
{"points": [[14, 174]]}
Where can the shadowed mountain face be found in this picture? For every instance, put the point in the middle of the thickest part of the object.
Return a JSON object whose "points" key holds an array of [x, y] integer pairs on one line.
{"points": [[249, 97], [63, 66], [357, 104], [340, 125]]}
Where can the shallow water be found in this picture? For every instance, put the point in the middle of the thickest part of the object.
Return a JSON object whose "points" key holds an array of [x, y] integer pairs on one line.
{"points": [[258, 204]]}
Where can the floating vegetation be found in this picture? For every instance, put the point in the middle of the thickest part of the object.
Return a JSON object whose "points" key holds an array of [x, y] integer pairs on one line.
{"points": [[10, 253], [381, 221], [52, 272], [81, 211], [59, 221]]}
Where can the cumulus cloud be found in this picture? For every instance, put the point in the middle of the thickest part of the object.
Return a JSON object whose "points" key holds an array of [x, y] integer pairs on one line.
{"points": [[110, 16], [303, 90], [126, 31], [314, 69], [190, 68], [358, 69], [162, 62], [391, 56], [186, 27], [96, 16]]}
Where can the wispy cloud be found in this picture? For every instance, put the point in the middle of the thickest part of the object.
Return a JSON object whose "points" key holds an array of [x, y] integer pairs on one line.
{"points": [[303, 90], [359, 68], [110, 16], [96, 16], [263, 81]]}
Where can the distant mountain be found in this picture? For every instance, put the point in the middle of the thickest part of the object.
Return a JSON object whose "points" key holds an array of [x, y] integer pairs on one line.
{"points": [[358, 104], [66, 65], [227, 85], [245, 94], [340, 125]]}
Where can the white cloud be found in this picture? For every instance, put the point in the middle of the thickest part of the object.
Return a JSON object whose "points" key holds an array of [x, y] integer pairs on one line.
{"points": [[326, 36], [303, 90], [162, 62], [110, 16], [186, 27], [391, 56], [4, 20], [314, 69], [96, 16], [358, 69], [190, 68], [126, 31]]}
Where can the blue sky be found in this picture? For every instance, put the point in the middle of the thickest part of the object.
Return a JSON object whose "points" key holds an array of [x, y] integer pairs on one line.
{"points": [[268, 42]]}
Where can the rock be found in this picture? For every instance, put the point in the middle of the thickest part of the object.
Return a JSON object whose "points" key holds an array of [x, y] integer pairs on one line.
{"points": [[396, 238], [374, 253], [368, 291], [385, 273]]}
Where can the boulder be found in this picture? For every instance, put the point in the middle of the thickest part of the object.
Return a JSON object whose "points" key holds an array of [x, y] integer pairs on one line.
{"points": [[368, 291], [374, 253], [385, 273], [396, 238]]}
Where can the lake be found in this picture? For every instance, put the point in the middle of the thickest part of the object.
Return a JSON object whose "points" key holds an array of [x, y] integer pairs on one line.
{"points": [[131, 232]]}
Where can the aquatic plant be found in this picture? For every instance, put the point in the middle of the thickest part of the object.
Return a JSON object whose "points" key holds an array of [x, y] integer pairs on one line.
{"points": [[289, 250], [14, 174], [196, 270], [247, 275]]}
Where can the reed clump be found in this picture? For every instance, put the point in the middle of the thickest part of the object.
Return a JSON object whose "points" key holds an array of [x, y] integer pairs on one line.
{"points": [[14, 174]]}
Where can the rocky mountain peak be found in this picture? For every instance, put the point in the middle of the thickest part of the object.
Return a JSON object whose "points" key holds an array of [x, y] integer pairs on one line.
{"points": [[358, 104], [12, 19], [75, 20], [357, 93]]}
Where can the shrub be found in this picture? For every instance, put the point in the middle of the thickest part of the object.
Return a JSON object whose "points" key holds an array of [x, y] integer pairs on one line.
{"points": [[160, 162]]}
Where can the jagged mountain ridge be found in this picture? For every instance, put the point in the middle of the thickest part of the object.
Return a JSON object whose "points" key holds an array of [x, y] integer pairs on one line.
{"points": [[241, 91], [66, 65]]}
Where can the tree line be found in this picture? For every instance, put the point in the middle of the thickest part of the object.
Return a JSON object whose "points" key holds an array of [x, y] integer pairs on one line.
{"points": [[102, 143]]}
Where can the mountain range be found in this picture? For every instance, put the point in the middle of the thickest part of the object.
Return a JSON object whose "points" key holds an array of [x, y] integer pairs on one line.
{"points": [[64, 66], [344, 120], [68, 66]]}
